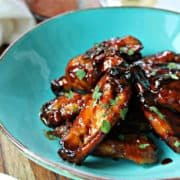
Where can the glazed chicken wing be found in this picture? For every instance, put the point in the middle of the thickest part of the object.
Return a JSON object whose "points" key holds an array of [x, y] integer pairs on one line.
{"points": [[83, 72], [158, 84], [137, 148], [98, 117], [64, 108]]}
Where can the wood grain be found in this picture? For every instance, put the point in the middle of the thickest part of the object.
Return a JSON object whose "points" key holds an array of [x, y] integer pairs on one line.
{"points": [[12, 162]]}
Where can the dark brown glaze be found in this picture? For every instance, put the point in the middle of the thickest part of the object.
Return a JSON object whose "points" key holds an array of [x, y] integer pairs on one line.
{"points": [[135, 121], [159, 95], [137, 148], [166, 161], [114, 47], [95, 62], [168, 128], [93, 71], [169, 96], [86, 132], [62, 130], [55, 112], [158, 69]]}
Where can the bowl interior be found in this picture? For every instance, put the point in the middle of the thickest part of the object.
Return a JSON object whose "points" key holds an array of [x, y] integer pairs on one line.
{"points": [[41, 56]]}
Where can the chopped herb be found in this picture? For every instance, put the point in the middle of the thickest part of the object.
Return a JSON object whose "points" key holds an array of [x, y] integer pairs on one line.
{"points": [[143, 146], [94, 103], [69, 94], [130, 52], [172, 65], [121, 137], [50, 135], [177, 144], [104, 105], [173, 76], [80, 73], [106, 126], [156, 110], [112, 102], [123, 113], [123, 49], [105, 114], [97, 94], [151, 118], [153, 72]]}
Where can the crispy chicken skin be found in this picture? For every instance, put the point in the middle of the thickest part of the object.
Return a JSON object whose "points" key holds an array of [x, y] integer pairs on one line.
{"points": [[86, 132], [137, 148], [64, 108], [95, 62], [159, 94]]}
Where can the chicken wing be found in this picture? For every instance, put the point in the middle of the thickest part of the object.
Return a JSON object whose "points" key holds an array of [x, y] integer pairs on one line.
{"points": [[83, 72], [64, 108], [137, 148], [160, 95], [98, 117]]}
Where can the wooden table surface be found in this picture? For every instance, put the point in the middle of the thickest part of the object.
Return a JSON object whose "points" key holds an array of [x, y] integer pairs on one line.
{"points": [[12, 162]]}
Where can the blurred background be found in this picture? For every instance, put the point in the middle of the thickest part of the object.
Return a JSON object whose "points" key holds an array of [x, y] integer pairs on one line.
{"points": [[18, 16]]}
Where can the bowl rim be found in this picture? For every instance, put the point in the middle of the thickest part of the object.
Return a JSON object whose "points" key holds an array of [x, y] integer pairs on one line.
{"points": [[59, 168]]}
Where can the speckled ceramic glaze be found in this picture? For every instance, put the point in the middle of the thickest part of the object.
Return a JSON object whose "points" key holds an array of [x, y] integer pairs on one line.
{"points": [[41, 55]]}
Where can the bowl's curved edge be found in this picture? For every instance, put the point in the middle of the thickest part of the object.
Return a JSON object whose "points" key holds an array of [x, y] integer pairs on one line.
{"points": [[81, 10], [55, 167]]}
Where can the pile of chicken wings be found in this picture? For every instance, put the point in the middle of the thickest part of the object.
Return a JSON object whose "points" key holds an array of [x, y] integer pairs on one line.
{"points": [[111, 98]]}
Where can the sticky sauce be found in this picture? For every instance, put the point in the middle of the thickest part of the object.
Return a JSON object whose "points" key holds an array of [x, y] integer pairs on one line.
{"points": [[166, 161]]}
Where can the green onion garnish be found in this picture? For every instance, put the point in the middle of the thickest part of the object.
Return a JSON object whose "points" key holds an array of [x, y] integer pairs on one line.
{"points": [[69, 94], [80, 73], [123, 113], [106, 126], [143, 146], [156, 110]]}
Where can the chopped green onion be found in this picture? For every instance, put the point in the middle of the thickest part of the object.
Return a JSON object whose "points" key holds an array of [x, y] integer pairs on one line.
{"points": [[153, 73], [143, 146], [69, 94], [106, 126], [112, 102], [172, 65], [156, 110], [151, 118], [177, 144], [123, 113], [80, 73], [97, 94], [123, 49], [173, 76], [130, 52], [104, 105]]}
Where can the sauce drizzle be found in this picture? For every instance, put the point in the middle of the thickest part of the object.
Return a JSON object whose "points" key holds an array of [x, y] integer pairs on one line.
{"points": [[166, 161]]}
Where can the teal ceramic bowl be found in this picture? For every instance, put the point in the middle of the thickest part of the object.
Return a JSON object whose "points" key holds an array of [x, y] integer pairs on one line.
{"points": [[29, 65]]}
